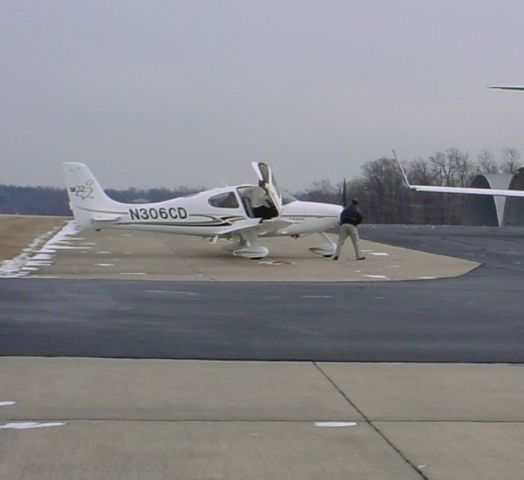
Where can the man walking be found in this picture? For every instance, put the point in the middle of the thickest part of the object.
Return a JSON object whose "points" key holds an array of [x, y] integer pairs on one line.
{"points": [[349, 219]]}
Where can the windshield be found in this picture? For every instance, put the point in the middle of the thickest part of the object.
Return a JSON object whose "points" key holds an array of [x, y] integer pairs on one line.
{"points": [[288, 198]]}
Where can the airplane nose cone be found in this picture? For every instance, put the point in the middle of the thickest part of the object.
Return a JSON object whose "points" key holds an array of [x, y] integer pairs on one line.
{"points": [[337, 210], [334, 211]]}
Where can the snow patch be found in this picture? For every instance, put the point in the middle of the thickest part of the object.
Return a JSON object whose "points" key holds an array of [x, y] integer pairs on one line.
{"points": [[39, 253]]}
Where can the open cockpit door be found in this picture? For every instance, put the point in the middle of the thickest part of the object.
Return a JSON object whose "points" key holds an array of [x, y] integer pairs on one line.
{"points": [[264, 173]]}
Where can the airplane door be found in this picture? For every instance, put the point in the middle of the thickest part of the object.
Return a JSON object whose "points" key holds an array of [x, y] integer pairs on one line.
{"points": [[264, 173]]}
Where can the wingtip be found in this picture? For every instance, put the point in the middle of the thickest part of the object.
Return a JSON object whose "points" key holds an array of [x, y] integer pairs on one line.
{"points": [[402, 170], [507, 87]]}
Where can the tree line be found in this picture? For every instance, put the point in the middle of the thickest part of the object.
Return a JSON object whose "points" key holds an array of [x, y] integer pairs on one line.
{"points": [[54, 201], [384, 198], [380, 189]]}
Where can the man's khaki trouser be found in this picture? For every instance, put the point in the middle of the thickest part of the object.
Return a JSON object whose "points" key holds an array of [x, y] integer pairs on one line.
{"points": [[348, 230]]}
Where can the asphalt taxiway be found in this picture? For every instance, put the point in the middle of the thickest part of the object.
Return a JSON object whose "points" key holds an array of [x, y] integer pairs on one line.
{"points": [[303, 393], [473, 317]]}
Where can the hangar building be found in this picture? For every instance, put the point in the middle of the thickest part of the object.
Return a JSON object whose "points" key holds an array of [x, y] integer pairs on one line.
{"points": [[495, 211]]}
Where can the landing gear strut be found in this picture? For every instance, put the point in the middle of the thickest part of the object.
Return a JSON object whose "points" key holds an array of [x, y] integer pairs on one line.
{"points": [[327, 249]]}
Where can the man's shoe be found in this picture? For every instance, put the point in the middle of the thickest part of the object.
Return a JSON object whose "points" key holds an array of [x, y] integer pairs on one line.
{"points": [[334, 257], [361, 258]]}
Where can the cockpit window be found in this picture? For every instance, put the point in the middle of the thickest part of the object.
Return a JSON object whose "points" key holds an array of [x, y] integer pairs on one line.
{"points": [[224, 200]]}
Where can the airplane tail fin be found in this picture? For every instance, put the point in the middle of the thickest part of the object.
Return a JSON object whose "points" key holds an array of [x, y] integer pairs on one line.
{"points": [[89, 203]]}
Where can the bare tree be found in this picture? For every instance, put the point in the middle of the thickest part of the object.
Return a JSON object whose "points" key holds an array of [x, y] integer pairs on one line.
{"points": [[387, 195], [443, 170], [464, 167], [321, 191], [453, 167], [420, 172], [510, 161], [487, 163]]}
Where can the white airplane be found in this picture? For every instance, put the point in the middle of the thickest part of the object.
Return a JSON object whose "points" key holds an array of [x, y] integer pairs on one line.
{"points": [[220, 213]]}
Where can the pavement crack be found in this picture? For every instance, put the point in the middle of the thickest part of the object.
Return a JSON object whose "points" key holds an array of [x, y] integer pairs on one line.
{"points": [[370, 422]]}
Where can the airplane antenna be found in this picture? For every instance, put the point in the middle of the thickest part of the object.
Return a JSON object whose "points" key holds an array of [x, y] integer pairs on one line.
{"points": [[344, 194]]}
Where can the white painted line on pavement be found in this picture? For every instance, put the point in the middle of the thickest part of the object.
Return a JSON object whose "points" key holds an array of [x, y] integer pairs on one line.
{"points": [[28, 425], [335, 424]]}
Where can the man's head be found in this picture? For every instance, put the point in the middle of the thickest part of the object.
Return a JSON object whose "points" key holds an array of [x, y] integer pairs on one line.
{"points": [[354, 201]]}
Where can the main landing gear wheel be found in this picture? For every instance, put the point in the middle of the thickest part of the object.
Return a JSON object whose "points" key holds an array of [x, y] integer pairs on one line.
{"points": [[327, 249]]}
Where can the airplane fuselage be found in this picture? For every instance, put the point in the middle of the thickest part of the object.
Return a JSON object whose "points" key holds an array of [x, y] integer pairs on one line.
{"points": [[197, 215]]}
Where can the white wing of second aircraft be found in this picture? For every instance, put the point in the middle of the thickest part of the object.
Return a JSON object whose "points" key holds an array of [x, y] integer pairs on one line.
{"points": [[468, 191], [508, 87], [464, 190]]}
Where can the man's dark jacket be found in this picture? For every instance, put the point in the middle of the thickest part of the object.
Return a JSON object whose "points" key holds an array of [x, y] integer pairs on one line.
{"points": [[351, 214]]}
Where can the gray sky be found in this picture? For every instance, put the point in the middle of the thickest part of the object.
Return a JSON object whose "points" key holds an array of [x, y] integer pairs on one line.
{"points": [[167, 93]]}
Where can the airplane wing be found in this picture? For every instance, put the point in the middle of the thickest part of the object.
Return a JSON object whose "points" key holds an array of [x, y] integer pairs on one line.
{"points": [[468, 191], [261, 229], [507, 87], [270, 226], [464, 190]]}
